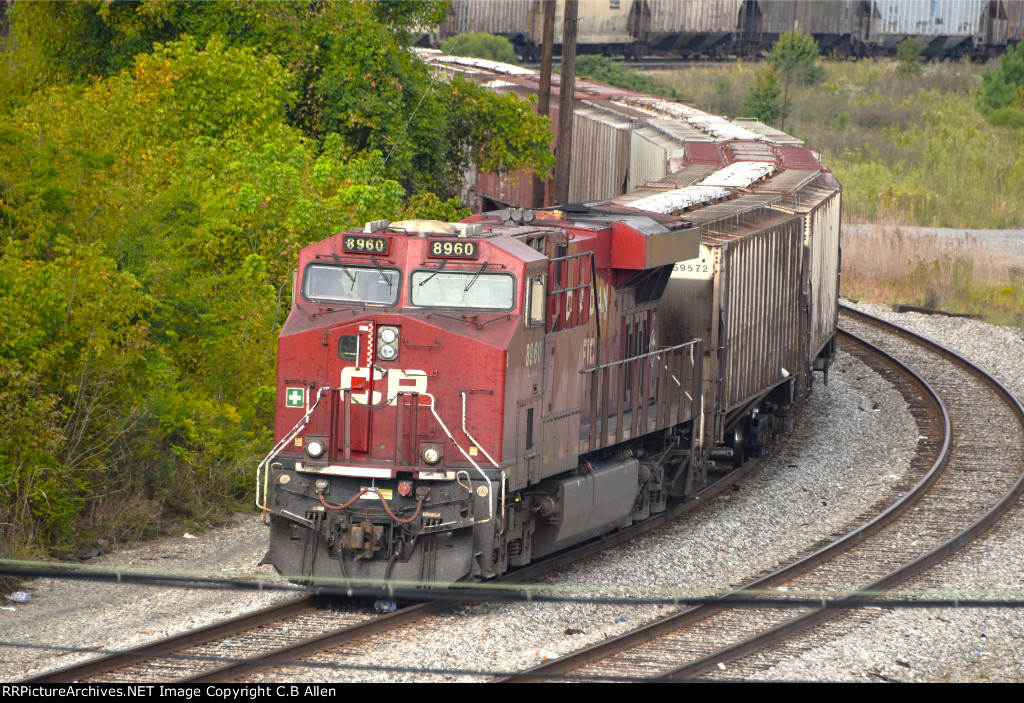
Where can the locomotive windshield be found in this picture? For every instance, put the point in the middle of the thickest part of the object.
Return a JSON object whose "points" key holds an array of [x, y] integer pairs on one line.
{"points": [[463, 289], [346, 283]]}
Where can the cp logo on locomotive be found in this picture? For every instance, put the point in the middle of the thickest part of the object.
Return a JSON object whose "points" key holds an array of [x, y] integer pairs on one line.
{"points": [[408, 381]]}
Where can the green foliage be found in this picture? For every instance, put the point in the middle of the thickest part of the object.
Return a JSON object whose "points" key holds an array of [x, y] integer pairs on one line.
{"points": [[480, 125], [936, 170], [1007, 117], [764, 101], [73, 355], [605, 70], [482, 46], [161, 165], [1002, 92], [71, 40], [840, 121], [908, 58], [907, 152], [796, 53], [407, 16], [347, 65], [376, 95]]}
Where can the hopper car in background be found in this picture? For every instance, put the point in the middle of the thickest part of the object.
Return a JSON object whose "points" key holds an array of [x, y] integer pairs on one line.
{"points": [[718, 28], [457, 399]]}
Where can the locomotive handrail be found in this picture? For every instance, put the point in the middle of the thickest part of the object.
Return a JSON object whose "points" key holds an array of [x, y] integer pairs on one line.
{"points": [[558, 259], [261, 468], [472, 439], [659, 352], [261, 471], [490, 487]]}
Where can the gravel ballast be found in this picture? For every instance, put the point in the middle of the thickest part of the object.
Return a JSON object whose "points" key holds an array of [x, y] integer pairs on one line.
{"points": [[855, 438]]}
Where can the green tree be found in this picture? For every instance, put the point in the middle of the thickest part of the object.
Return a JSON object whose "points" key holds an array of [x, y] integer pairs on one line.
{"points": [[150, 224], [481, 46], [796, 53], [152, 205], [350, 69], [70, 40], [1003, 87], [908, 58], [764, 101]]}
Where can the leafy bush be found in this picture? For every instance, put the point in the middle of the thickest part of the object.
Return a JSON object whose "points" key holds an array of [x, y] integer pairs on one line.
{"points": [[1007, 117], [908, 58], [764, 101], [150, 220], [481, 46], [796, 53], [1003, 88], [605, 70]]}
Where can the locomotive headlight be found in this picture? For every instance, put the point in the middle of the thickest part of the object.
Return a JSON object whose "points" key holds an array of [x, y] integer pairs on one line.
{"points": [[315, 448], [387, 343], [388, 335], [431, 455]]}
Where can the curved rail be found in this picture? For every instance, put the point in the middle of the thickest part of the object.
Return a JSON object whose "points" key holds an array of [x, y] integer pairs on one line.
{"points": [[911, 568], [406, 616], [692, 615]]}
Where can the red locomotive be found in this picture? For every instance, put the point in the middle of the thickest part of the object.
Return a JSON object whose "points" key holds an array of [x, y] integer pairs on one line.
{"points": [[456, 399]]}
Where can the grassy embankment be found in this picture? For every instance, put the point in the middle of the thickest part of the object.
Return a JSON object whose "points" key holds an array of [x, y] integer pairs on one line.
{"points": [[909, 152]]}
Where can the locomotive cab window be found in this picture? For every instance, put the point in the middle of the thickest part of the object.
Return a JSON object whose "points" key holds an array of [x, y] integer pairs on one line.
{"points": [[463, 289], [351, 284], [536, 297], [348, 347]]}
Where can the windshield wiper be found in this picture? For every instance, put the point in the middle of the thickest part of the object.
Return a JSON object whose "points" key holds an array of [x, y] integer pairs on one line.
{"points": [[473, 280], [424, 281], [381, 272], [342, 265]]}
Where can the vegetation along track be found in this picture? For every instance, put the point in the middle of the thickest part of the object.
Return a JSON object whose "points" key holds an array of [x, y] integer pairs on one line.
{"points": [[976, 476]]}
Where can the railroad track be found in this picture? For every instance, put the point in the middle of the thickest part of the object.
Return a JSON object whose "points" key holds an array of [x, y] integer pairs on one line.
{"points": [[290, 631], [975, 477], [200, 655]]}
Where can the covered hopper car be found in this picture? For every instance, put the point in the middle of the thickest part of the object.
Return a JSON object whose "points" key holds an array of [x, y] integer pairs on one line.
{"points": [[718, 28]]}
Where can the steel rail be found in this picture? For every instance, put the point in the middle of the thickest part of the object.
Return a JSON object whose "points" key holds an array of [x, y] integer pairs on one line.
{"points": [[694, 614], [99, 665], [411, 614], [373, 625]]}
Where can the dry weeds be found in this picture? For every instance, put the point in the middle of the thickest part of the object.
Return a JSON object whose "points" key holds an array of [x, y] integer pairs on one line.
{"points": [[887, 264]]}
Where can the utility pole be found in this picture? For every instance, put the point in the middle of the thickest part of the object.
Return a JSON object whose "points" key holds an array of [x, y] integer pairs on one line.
{"points": [[789, 67], [566, 98], [544, 95]]}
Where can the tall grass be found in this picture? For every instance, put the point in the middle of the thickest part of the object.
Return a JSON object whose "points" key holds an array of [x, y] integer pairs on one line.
{"points": [[907, 150], [957, 274]]}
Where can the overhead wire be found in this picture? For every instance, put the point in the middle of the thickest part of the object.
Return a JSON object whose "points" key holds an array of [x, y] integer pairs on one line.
{"points": [[497, 592]]}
